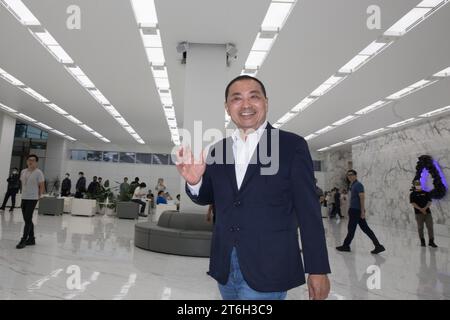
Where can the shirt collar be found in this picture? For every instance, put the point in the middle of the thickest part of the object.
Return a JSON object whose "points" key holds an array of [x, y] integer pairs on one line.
{"points": [[236, 134]]}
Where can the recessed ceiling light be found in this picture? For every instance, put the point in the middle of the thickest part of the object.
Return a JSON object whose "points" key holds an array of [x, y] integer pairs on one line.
{"points": [[25, 117], [354, 139], [321, 90], [262, 44], [401, 93], [85, 81], [443, 73], [6, 108], [155, 55], [162, 83], [60, 54], [402, 123], [160, 72], [54, 107], [431, 3], [105, 140], [36, 95], [58, 132], [421, 83], [42, 125], [407, 22], [46, 38], [354, 64], [11, 79], [372, 107], [74, 120], [435, 112], [324, 130], [151, 41], [76, 71], [337, 144], [344, 120], [255, 59], [21, 12], [324, 149], [87, 128], [373, 48], [276, 15], [311, 136], [144, 11], [371, 133]]}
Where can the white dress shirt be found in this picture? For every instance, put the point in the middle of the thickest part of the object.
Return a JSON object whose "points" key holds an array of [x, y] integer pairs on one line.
{"points": [[242, 151]]}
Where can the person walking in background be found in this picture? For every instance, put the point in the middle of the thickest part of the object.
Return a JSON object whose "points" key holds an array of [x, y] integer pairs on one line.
{"points": [[421, 201], [337, 203], [330, 203], [66, 186], [33, 188], [138, 195], [357, 215], [124, 189], [80, 187], [13, 188]]}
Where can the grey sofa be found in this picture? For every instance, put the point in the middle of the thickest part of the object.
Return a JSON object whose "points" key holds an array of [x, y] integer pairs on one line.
{"points": [[51, 205], [127, 210], [186, 234]]}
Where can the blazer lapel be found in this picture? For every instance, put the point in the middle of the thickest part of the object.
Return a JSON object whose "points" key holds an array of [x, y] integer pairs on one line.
{"points": [[229, 163]]}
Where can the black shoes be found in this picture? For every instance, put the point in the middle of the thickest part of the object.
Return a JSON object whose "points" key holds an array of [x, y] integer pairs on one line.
{"points": [[422, 242], [343, 248], [432, 244], [30, 242], [22, 244], [378, 249]]}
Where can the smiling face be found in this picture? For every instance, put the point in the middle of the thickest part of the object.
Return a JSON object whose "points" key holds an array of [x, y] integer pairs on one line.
{"points": [[246, 104]]}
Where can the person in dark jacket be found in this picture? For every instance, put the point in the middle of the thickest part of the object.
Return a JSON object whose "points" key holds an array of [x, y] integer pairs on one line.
{"points": [[13, 188], [80, 187], [66, 186], [93, 187]]}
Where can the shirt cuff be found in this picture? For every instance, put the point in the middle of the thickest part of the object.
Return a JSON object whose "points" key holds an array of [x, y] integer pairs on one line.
{"points": [[195, 189]]}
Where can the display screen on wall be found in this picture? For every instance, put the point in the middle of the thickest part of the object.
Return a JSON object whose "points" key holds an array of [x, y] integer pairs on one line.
{"points": [[145, 158], [127, 157], [317, 165], [159, 158], [110, 156], [94, 155], [78, 155]]}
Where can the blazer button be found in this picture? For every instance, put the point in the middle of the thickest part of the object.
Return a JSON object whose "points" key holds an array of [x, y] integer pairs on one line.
{"points": [[237, 203], [232, 229]]}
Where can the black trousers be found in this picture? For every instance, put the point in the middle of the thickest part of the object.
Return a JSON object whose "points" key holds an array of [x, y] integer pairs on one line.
{"points": [[78, 195], [65, 193], [10, 193], [354, 216], [142, 203], [27, 212]]}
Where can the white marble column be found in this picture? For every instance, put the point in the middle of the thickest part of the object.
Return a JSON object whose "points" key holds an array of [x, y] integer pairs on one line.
{"points": [[56, 161], [205, 82], [7, 129]]}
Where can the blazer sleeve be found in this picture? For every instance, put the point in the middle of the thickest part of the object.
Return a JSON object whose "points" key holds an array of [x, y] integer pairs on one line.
{"points": [[308, 212], [205, 195]]}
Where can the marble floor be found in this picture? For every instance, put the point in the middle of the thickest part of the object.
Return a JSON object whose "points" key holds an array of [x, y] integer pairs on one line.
{"points": [[94, 258]]}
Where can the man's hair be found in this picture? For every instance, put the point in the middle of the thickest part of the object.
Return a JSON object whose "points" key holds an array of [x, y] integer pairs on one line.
{"points": [[352, 171], [100, 178], [160, 192], [94, 177], [136, 179], [67, 174], [417, 183], [142, 185], [33, 156], [81, 172], [126, 178], [244, 77]]}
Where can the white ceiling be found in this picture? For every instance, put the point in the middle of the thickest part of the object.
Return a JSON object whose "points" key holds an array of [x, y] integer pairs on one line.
{"points": [[317, 40]]}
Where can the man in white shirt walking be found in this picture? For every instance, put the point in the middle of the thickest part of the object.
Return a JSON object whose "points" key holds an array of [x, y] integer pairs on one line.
{"points": [[32, 189]]}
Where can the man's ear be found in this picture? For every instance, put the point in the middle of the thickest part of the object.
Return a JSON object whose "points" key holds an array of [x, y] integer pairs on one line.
{"points": [[226, 109]]}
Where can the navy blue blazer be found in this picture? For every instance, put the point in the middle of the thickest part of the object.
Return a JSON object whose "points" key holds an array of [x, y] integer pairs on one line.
{"points": [[261, 219]]}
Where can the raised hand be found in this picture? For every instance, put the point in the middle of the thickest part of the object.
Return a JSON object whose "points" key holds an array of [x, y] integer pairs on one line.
{"points": [[190, 169]]}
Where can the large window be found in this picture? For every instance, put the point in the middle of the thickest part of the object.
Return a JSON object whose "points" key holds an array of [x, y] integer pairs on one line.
{"points": [[122, 157], [78, 155], [145, 158], [110, 156], [94, 155], [127, 157]]}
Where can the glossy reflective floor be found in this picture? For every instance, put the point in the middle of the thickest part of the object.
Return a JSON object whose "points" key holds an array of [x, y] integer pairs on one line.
{"points": [[94, 258]]}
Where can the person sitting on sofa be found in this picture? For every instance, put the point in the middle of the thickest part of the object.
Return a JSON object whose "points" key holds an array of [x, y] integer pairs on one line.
{"points": [[161, 199], [138, 194]]}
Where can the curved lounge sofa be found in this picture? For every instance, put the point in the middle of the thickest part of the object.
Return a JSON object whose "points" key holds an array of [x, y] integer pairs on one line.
{"points": [[187, 234]]}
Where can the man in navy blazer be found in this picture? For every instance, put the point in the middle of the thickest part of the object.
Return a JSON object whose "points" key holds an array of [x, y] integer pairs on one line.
{"points": [[261, 183]]}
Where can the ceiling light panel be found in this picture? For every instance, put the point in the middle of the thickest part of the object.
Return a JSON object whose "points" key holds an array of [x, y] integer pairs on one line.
{"points": [[424, 10], [147, 21], [435, 112], [25, 16], [402, 123], [276, 15]]}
